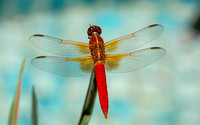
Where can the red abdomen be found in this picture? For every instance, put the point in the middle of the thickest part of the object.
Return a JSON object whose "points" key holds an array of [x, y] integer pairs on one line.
{"points": [[101, 86]]}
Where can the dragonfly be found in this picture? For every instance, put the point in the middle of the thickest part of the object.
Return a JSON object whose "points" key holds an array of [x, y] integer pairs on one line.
{"points": [[80, 58]]}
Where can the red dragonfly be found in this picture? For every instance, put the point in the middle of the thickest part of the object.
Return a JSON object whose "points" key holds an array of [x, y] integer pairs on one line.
{"points": [[116, 55]]}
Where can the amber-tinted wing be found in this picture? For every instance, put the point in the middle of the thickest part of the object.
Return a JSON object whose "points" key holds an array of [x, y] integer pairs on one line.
{"points": [[134, 40], [131, 61], [59, 46], [77, 66]]}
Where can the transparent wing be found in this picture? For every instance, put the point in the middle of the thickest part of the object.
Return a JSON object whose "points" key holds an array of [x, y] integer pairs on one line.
{"points": [[134, 40], [78, 66], [132, 61], [59, 46]]}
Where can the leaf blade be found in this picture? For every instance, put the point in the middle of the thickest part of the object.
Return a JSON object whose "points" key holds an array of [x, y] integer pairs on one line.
{"points": [[89, 101], [13, 115], [34, 107]]}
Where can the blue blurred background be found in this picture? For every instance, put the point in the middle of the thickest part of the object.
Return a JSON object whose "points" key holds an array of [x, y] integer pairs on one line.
{"points": [[164, 93]]}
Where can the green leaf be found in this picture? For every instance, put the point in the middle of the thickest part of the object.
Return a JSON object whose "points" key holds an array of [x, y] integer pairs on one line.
{"points": [[13, 115], [89, 101], [34, 108]]}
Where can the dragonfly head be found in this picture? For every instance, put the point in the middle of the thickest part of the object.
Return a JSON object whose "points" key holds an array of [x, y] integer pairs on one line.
{"points": [[92, 29]]}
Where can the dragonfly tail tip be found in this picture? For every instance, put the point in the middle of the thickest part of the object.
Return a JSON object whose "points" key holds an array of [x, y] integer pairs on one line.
{"points": [[105, 114]]}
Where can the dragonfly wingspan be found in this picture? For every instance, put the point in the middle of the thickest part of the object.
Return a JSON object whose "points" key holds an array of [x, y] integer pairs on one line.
{"points": [[131, 61], [59, 46], [78, 66], [134, 40]]}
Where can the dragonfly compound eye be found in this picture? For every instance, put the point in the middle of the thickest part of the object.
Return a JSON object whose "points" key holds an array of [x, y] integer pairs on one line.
{"points": [[92, 29], [98, 29]]}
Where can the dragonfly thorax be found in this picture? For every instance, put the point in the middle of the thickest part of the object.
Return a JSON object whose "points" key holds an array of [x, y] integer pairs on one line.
{"points": [[97, 47]]}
